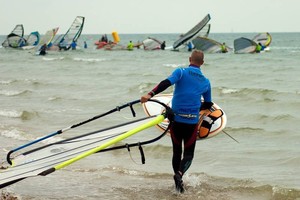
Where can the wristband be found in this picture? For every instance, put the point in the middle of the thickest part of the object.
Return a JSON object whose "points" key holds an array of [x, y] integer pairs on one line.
{"points": [[151, 93]]}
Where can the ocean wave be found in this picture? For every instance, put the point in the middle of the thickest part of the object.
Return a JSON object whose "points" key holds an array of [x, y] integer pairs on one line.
{"points": [[90, 59], [54, 98], [272, 117], [13, 92], [6, 82], [174, 65], [24, 115], [197, 185], [14, 134], [51, 59], [26, 81], [247, 91]]}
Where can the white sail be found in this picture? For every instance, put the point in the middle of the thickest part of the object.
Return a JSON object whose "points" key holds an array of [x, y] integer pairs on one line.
{"points": [[191, 33]]}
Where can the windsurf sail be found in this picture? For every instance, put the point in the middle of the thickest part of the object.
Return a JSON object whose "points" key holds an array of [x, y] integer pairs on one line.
{"points": [[244, 45], [8, 157], [204, 32], [45, 159], [264, 38], [191, 33], [151, 43], [207, 45], [73, 32], [48, 37], [15, 38], [33, 39]]}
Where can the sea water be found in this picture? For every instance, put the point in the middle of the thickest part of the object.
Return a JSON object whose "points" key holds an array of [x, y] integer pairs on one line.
{"points": [[260, 94]]}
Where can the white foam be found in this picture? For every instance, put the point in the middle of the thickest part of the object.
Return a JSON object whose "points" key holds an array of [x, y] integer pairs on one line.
{"points": [[10, 92], [174, 65], [229, 91], [10, 113], [6, 82], [14, 133], [51, 59], [90, 59]]}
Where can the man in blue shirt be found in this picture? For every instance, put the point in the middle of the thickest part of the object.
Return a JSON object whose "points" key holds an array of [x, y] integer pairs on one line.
{"points": [[190, 86]]}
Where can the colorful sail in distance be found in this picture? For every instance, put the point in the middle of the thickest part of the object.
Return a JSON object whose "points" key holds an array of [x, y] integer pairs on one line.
{"points": [[16, 38], [191, 33], [48, 37], [33, 39], [263, 38], [73, 33]]}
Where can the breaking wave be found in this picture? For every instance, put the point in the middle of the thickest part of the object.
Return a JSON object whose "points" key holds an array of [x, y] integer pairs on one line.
{"points": [[24, 115]]}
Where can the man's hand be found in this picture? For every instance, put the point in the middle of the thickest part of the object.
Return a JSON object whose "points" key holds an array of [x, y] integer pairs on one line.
{"points": [[145, 98]]}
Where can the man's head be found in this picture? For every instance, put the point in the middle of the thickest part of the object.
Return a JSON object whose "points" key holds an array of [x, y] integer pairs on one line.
{"points": [[197, 58]]}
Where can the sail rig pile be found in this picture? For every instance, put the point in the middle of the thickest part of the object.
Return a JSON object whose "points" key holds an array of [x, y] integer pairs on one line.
{"points": [[263, 38], [151, 43], [16, 38], [191, 33], [37, 159], [245, 45]]}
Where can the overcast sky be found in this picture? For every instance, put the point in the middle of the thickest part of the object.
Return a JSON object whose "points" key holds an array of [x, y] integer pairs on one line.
{"points": [[151, 16]]}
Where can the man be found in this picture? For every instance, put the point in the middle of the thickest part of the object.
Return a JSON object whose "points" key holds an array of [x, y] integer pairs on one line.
{"points": [[258, 48], [73, 45], [190, 86], [163, 45], [130, 46], [224, 48], [43, 50]]}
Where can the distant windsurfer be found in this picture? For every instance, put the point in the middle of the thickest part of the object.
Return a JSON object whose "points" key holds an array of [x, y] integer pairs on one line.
{"points": [[130, 46], [104, 38], [43, 50], [262, 46], [73, 45], [224, 48], [258, 48], [190, 46], [163, 45], [190, 86]]}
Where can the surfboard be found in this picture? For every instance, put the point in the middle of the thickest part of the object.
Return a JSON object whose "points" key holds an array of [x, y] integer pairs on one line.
{"points": [[151, 108]]}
